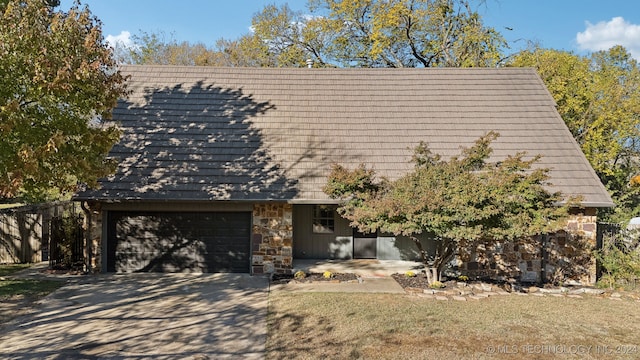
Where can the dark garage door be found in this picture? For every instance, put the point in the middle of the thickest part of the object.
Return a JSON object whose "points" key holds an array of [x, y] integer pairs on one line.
{"points": [[178, 241]]}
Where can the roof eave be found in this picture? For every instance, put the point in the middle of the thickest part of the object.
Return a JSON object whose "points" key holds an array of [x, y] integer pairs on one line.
{"points": [[592, 204]]}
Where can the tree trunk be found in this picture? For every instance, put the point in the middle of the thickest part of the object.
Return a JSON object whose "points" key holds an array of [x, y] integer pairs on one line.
{"points": [[429, 270], [423, 254], [433, 275], [444, 252]]}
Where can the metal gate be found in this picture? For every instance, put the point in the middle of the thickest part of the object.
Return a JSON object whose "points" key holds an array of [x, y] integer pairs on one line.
{"points": [[66, 243], [604, 230]]}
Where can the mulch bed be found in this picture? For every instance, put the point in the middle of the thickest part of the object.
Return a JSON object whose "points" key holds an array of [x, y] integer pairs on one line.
{"points": [[420, 282], [313, 277], [411, 282], [63, 272], [60, 269]]}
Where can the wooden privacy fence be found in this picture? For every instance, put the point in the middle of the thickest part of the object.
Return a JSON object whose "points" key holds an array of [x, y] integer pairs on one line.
{"points": [[26, 232]]}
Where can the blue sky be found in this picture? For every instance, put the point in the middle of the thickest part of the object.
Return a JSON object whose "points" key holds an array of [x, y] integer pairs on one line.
{"points": [[577, 25]]}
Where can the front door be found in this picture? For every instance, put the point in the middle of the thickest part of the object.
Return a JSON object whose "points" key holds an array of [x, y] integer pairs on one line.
{"points": [[365, 245]]}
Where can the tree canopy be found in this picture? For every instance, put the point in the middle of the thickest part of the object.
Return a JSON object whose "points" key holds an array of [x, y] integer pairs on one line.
{"points": [[161, 49], [347, 33], [598, 97], [404, 33], [458, 202], [58, 81]]}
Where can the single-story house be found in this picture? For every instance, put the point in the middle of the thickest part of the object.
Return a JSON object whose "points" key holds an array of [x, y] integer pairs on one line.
{"points": [[222, 169]]}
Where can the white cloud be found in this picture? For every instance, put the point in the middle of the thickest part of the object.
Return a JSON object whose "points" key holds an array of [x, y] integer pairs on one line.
{"points": [[121, 40], [604, 35]]}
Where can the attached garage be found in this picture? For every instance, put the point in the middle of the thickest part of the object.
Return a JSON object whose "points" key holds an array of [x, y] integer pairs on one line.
{"points": [[204, 147], [178, 241]]}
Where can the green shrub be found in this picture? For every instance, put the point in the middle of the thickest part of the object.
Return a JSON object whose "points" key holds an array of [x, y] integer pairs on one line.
{"points": [[619, 259]]}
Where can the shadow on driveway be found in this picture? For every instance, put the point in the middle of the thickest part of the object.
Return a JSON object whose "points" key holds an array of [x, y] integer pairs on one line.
{"points": [[145, 316]]}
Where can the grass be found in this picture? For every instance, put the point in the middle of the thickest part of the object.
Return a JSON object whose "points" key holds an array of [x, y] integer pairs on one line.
{"points": [[12, 268], [17, 296], [387, 326], [28, 288], [24, 287]]}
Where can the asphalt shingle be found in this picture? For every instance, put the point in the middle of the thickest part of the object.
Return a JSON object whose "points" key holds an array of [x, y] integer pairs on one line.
{"points": [[206, 133]]}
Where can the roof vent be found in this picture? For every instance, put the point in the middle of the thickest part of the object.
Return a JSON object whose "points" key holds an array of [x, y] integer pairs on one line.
{"points": [[309, 63]]}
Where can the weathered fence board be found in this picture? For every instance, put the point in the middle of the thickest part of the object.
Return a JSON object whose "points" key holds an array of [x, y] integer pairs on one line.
{"points": [[25, 231], [20, 237]]}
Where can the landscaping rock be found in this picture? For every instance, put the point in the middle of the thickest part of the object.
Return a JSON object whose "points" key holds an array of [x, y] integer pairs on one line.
{"points": [[592, 291], [457, 290], [451, 292], [551, 291]]}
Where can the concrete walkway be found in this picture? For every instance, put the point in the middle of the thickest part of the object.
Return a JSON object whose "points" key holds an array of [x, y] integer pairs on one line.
{"points": [[374, 275], [145, 316], [362, 267], [367, 285]]}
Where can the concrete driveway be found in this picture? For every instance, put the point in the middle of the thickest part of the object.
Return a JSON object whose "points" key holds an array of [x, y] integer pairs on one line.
{"points": [[145, 316]]}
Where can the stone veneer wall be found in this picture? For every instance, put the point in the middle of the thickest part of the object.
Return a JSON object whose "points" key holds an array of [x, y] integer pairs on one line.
{"points": [[93, 235], [272, 238], [564, 256]]}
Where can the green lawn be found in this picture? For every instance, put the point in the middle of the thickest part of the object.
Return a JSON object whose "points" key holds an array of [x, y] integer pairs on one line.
{"points": [[24, 287], [11, 268], [27, 288], [18, 295], [386, 326]]}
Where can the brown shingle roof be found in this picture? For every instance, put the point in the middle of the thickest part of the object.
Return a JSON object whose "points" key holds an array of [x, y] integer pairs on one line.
{"points": [[205, 133]]}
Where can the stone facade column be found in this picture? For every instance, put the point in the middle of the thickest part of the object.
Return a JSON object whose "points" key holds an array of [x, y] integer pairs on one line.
{"points": [[93, 236], [272, 238], [570, 252]]}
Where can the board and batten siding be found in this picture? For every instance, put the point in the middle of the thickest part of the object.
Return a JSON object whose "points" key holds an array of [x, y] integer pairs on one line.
{"points": [[339, 245], [402, 248], [310, 245]]}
